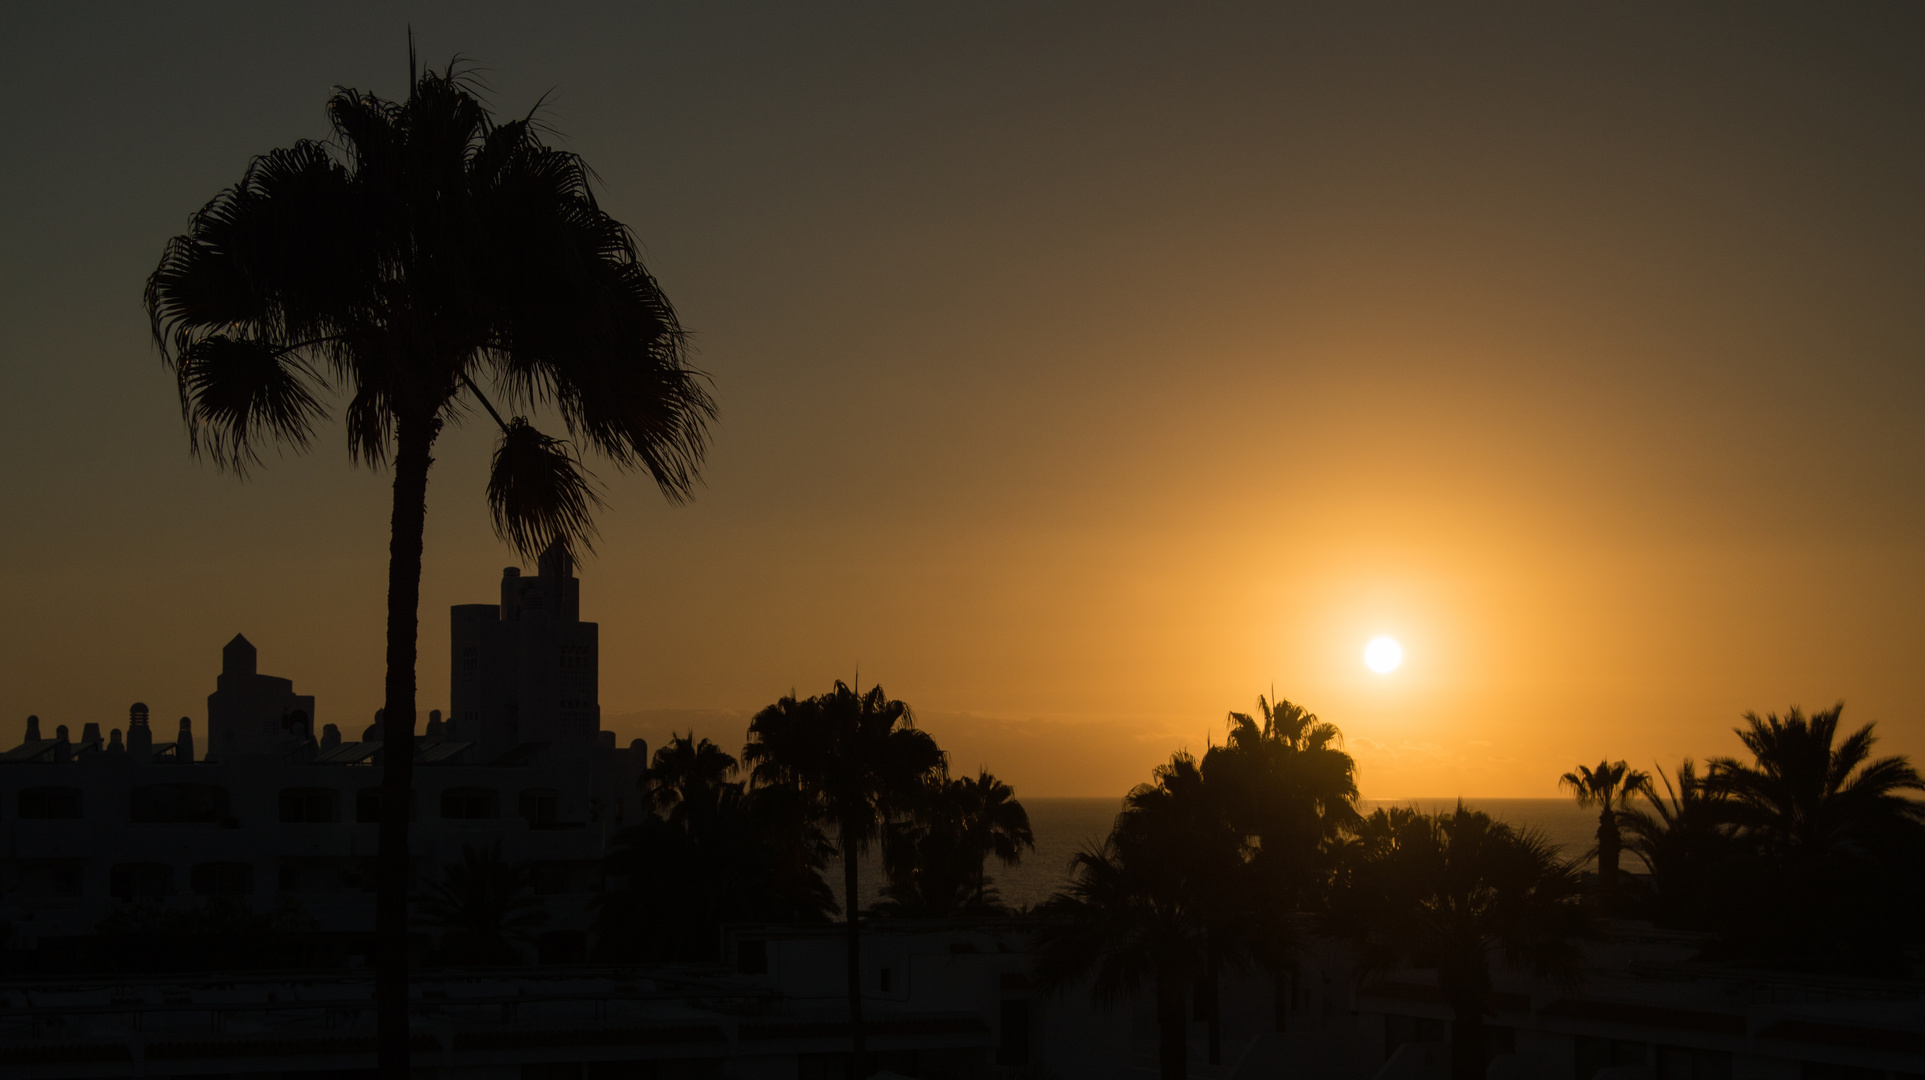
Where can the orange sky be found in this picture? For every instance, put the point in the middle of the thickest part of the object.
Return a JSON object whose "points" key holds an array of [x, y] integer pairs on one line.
{"points": [[1084, 372]]}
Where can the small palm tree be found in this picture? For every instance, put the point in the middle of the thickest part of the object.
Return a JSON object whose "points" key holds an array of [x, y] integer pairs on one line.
{"points": [[937, 858], [1683, 837], [1609, 788], [1167, 900], [861, 764], [687, 772], [484, 908], [1453, 892], [673, 882], [427, 249]]}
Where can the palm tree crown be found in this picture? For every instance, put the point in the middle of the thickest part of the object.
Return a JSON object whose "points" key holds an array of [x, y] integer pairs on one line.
{"points": [[485, 908], [936, 857], [687, 773], [1806, 798], [1682, 836], [425, 250]]}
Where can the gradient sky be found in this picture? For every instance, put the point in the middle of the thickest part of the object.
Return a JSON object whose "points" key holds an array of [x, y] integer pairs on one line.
{"points": [[1085, 371]]}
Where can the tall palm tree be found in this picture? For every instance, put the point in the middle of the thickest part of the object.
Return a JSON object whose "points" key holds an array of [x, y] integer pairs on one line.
{"points": [[1167, 901], [1453, 892], [862, 764], [1832, 838], [485, 908], [1291, 788], [1683, 837], [426, 249], [1609, 788], [687, 773]]}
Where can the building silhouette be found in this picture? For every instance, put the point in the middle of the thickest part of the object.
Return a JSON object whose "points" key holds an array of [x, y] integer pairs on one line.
{"points": [[278, 807]]}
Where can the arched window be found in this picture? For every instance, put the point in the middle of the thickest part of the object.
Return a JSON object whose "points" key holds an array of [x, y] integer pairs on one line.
{"points": [[310, 805], [468, 804], [44, 803]]}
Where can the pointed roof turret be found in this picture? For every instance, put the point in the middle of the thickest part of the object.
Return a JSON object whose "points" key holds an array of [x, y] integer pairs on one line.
{"points": [[238, 657]]}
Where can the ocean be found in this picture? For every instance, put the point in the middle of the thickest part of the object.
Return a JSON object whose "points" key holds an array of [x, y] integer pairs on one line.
{"points": [[1062, 826]]}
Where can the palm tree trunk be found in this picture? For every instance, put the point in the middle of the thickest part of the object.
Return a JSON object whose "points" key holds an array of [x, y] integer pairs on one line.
{"points": [[1469, 1040], [856, 1069], [1212, 1002], [1279, 999], [1608, 845], [414, 438], [1172, 1029]]}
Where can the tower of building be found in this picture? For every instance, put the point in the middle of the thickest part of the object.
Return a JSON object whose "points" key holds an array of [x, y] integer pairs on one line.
{"points": [[250, 713], [524, 671]]}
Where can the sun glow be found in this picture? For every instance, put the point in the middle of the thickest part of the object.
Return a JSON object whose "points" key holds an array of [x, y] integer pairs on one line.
{"points": [[1383, 655]]}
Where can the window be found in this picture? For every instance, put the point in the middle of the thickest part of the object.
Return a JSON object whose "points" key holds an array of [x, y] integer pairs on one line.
{"points": [[222, 879], [48, 878], [470, 657], [140, 881], [177, 803], [468, 804], [367, 805], [540, 807], [310, 806], [50, 802]]}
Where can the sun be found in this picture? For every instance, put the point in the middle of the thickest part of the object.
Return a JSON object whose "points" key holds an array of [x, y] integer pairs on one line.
{"points": [[1383, 655]]}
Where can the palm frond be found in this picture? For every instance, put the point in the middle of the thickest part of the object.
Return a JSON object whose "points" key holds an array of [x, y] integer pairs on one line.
{"points": [[539, 493], [237, 393]]}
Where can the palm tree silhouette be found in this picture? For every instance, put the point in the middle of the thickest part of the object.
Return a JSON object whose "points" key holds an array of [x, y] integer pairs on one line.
{"points": [[674, 881], [1804, 798], [485, 908], [1830, 835], [687, 773], [1168, 901], [425, 249], [861, 765], [1293, 791], [936, 858], [1683, 837], [1609, 788], [1451, 892]]}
